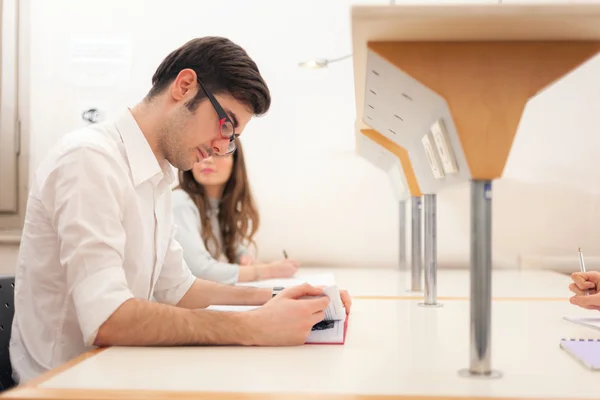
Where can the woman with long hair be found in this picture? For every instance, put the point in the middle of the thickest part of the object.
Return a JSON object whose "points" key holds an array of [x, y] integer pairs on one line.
{"points": [[217, 219]]}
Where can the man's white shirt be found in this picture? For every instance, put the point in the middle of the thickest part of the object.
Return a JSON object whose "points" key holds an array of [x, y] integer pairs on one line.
{"points": [[98, 231]]}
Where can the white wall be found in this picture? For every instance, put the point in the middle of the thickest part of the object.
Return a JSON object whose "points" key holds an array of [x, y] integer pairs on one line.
{"points": [[318, 200]]}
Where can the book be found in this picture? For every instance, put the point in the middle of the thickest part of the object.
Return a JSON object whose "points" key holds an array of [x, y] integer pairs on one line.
{"points": [[332, 330], [586, 351], [590, 322]]}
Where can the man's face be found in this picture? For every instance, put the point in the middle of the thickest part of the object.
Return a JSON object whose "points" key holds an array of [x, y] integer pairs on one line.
{"points": [[189, 137]]}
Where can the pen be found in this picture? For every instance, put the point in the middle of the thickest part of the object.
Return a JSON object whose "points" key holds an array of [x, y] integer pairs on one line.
{"points": [[285, 254], [582, 266]]}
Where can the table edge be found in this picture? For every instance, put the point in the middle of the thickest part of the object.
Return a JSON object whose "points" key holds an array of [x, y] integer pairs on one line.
{"points": [[34, 393], [36, 382]]}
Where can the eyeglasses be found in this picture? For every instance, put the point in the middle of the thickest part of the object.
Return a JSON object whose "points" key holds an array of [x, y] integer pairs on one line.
{"points": [[226, 125]]}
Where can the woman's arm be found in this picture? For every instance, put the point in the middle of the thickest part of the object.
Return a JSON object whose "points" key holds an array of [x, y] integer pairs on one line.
{"points": [[196, 255], [201, 262]]}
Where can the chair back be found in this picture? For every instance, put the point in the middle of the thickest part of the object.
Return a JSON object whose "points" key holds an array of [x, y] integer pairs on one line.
{"points": [[7, 312]]}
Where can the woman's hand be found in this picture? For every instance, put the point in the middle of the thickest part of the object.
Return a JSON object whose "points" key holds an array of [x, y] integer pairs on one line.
{"points": [[246, 260]]}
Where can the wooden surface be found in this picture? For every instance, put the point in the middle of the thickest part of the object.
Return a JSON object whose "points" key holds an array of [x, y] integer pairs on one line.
{"points": [[402, 154], [465, 22], [411, 348], [486, 86]]}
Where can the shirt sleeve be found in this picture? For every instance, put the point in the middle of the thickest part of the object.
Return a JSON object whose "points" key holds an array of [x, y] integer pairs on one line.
{"points": [[195, 253], [85, 198]]}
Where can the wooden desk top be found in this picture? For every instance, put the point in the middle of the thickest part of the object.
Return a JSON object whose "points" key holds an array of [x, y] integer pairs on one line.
{"points": [[394, 349], [460, 22]]}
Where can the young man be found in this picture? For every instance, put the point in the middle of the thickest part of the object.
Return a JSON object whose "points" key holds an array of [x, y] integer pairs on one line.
{"points": [[98, 244]]}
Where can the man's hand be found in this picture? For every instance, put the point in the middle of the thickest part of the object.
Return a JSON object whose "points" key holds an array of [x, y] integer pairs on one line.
{"points": [[346, 300], [286, 320], [583, 281], [345, 296]]}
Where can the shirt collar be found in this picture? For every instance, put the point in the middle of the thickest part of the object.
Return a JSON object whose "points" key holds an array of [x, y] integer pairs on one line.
{"points": [[142, 161]]}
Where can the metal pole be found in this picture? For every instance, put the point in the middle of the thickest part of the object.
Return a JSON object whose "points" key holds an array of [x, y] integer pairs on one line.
{"points": [[480, 365], [417, 266], [430, 264], [402, 236]]}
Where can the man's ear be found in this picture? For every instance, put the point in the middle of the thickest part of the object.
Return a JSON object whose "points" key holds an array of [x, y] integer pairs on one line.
{"points": [[184, 85]]}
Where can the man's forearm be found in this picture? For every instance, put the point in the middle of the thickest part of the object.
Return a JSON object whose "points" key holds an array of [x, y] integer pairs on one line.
{"points": [[142, 323], [205, 293]]}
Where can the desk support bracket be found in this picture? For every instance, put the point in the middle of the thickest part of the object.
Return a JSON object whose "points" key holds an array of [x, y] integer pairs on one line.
{"points": [[430, 264], [481, 283]]}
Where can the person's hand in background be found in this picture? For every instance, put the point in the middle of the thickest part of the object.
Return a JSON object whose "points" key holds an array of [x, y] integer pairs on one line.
{"points": [[277, 269], [582, 282], [246, 260]]}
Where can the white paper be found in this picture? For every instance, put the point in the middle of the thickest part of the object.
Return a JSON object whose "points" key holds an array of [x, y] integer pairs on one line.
{"points": [[590, 322], [314, 280], [232, 308]]}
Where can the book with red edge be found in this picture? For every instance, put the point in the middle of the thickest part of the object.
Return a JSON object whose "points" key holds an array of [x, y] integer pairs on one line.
{"points": [[332, 330]]}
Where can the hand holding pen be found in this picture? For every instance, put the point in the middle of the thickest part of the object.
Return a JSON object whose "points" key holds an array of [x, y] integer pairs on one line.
{"points": [[582, 267], [585, 287]]}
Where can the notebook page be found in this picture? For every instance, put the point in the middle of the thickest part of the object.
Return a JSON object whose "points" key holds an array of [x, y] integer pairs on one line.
{"points": [[314, 280], [335, 310], [232, 308], [586, 352], [590, 322]]}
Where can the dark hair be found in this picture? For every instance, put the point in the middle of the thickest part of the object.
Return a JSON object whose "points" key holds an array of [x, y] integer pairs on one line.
{"points": [[222, 66], [238, 215]]}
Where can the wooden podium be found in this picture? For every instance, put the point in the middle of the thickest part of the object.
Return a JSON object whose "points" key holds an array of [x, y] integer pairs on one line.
{"points": [[449, 85]]}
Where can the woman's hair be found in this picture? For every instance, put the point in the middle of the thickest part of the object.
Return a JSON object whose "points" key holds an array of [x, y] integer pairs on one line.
{"points": [[238, 215]]}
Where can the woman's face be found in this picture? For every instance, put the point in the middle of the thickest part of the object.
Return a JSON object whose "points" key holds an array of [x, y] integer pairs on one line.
{"points": [[213, 171]]}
